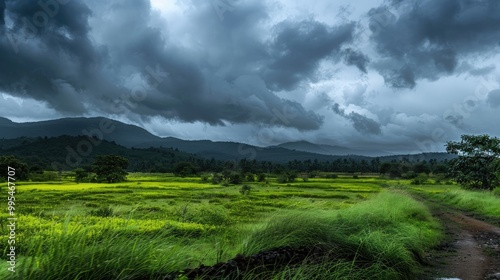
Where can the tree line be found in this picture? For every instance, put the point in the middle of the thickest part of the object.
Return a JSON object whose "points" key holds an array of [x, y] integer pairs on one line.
{"points": [[477, 166]]}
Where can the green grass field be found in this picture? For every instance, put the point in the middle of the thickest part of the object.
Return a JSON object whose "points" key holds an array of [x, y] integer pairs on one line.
{"points": [[156, 224]]}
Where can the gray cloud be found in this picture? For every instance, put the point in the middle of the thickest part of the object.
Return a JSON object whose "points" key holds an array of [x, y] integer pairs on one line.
{"points": [[298, 47], [429, 38], [361, 123], [2, 15], [494, 98], [356, 58], [79, 59]]}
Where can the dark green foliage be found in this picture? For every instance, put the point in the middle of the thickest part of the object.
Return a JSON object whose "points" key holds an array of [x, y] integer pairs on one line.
{"points": [[80, 174], [395, 170], [287, 177], [477, 165], [216, 178], [245, 189], [261, 177], [249, 177], [234, 178], [204, 178], [110, 168], [62, 153], [68, 152], [421, 179], [185, 168], [102, 212], [410, 175], [44, 176], [421, 167], [385, 167], [21, 168]]}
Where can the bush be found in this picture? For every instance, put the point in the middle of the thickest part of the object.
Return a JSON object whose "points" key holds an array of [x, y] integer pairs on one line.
{"points": [[44, 177], [496, 191], [282, 179], [102, 212], [245, 189], [185, 168], [261, 177], [410, 175], [250, 177], [235, 178], [420, 179], [305, 178], [204, 178], [216, 179]]}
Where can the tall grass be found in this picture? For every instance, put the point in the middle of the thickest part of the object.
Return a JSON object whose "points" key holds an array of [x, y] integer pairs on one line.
{"points": [[82, 255], [388, 234], [481, 202]]}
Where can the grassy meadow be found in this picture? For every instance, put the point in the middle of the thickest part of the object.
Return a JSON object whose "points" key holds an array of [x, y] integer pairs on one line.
{"points": [[157, 224], [483, 203]]}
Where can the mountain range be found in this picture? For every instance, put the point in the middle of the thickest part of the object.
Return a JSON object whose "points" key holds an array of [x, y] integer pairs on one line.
{"points": [[131, 136]]}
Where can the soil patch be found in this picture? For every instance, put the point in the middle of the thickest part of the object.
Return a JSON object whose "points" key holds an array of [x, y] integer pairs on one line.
{"points": [[470, 250]]}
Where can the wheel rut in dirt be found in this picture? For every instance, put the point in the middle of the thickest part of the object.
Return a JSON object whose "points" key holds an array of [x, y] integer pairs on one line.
{"points": [[471, 248]]}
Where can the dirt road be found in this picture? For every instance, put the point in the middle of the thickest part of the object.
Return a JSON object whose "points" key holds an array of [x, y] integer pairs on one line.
{"points": [[471, 250]]}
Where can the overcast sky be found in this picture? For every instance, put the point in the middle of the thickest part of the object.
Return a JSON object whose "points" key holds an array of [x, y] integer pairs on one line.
{"points": [[400, 76]]}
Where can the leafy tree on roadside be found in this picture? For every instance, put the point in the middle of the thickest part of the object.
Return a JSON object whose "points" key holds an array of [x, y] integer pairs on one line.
{"points": [[477, 164], [110, 168], [21, 168]]}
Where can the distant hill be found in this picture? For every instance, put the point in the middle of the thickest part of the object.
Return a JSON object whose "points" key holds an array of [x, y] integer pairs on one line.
{"points": [[110, 130], [68, 152], [133, 136], [305, 146]]}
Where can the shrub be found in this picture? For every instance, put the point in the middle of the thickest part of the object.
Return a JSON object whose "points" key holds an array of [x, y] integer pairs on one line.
{"points": [[282, 179], [204, 178], [216, 179], [496, 191], [249, 177], [420, 179], [245, 189], [410, 175], [102, 212], [261, 177]]}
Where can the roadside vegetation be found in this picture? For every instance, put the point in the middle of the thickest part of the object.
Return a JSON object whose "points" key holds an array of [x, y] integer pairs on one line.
{"points": [[483, 203]]}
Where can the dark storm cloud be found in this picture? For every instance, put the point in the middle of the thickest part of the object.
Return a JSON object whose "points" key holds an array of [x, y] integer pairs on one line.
{"points": [[2, 15], [39, 52], [356, 58], [108, 56], [494, 98], [429, 38], [298, 47], [361, 123]]}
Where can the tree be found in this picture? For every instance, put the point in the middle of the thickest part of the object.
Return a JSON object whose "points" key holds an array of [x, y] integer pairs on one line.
{"points": [[477, 163], [21, 168], [110, 168], [385, 167], [185, 168]]}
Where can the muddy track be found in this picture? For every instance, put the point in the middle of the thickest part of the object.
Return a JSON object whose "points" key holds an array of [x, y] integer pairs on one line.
{"points": [[470, 250]]}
